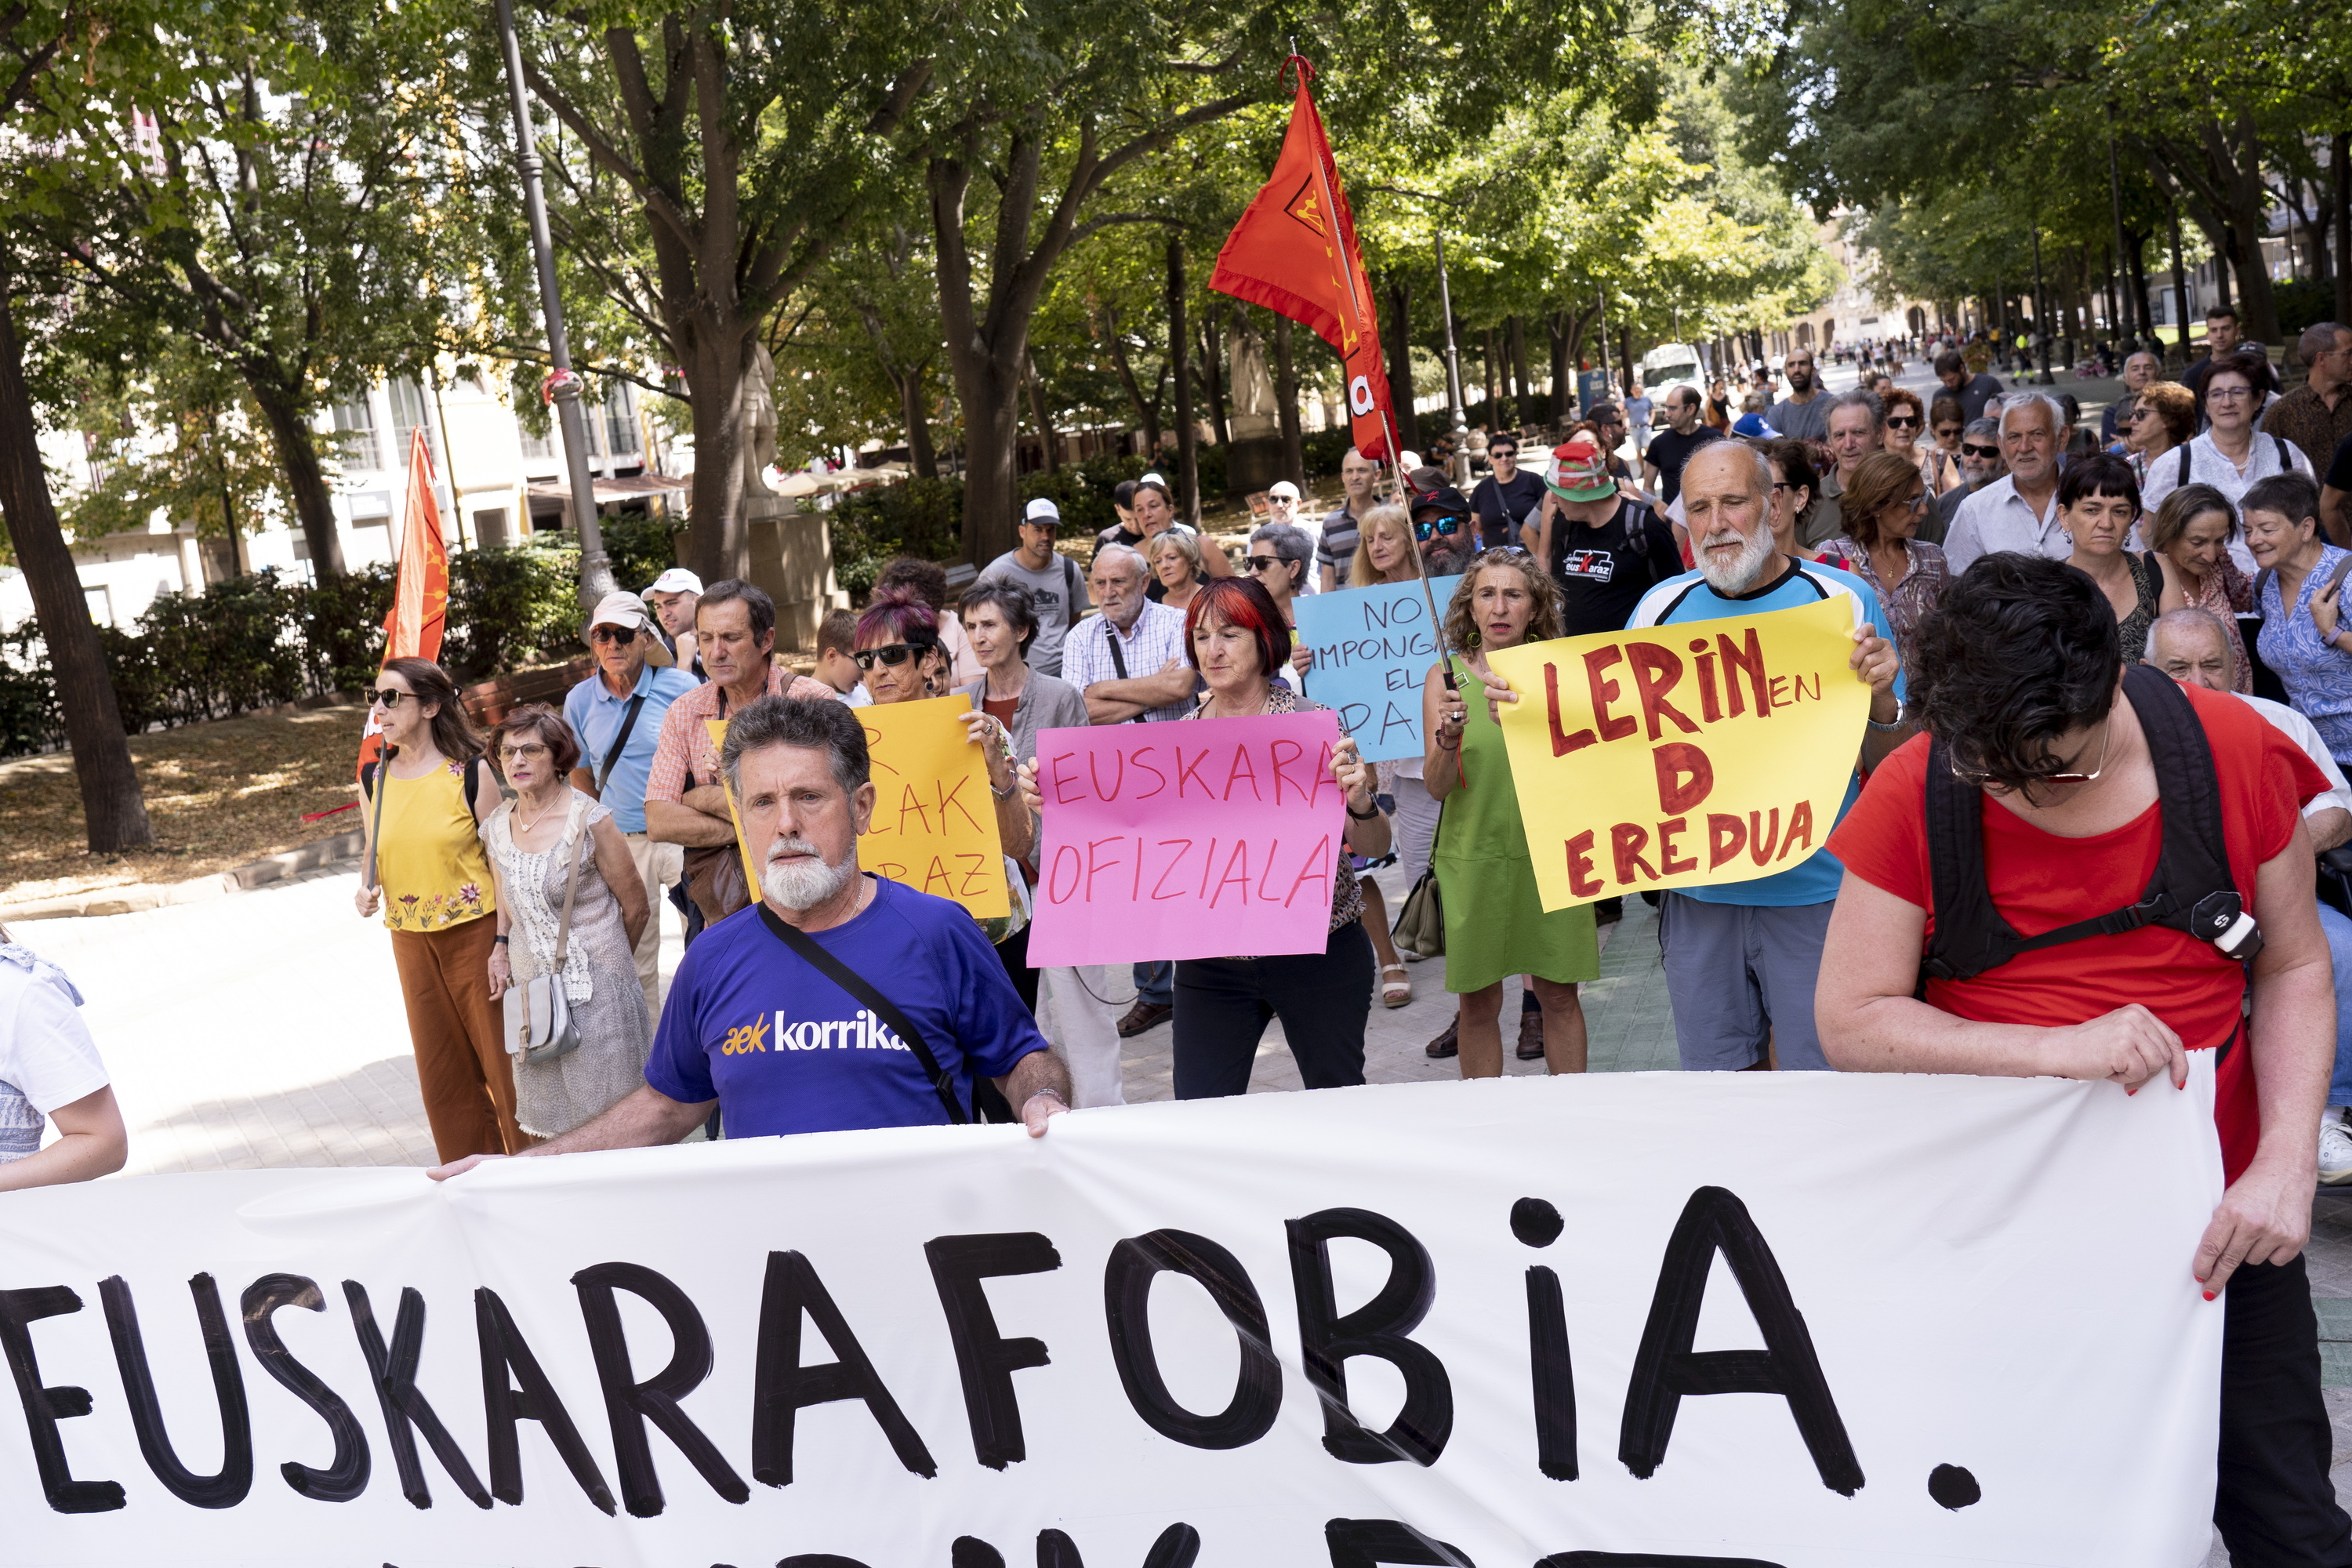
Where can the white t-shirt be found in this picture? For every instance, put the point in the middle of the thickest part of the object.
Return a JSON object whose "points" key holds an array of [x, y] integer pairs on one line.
{"points": [[46, 1057], [2304, 734]]}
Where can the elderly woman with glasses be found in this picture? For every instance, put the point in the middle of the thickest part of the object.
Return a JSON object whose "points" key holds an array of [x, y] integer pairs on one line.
{"points": [[1906, 422], [425, 870], [1881, 507], [555, 849], [1280, 556]]}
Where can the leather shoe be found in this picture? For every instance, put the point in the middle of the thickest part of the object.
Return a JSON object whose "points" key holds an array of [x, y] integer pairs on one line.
{"points": [[1141, 1016], [1530, 1036], [1449, 1043]]}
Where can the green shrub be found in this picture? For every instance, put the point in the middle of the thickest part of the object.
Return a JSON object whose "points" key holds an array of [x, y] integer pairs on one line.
{"points": [[2302, 303], [339, 624], [640, 549], [512, 606]]}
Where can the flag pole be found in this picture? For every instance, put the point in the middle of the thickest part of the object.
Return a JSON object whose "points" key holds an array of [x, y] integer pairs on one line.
{"points": [[1388, 425]]}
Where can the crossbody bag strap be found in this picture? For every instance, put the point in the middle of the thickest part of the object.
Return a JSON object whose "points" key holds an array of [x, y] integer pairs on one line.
{"points": [[571, 892], [1118, 658], [857, 985], [628, 724]]}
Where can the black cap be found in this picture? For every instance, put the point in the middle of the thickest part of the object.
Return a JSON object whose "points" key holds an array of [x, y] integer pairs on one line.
{"points": [[1444, 500]]}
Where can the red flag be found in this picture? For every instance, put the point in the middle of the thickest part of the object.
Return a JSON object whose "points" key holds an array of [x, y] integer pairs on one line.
{"points": [[1295, 253], [420, 594]]}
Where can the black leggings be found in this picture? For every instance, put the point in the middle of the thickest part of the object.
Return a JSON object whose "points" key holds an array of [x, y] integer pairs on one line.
{"points": [[1222, 1005], [1013, 953], [2274, 1504]]}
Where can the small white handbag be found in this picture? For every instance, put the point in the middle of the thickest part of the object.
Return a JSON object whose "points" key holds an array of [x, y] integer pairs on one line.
{"points": [[548, 1031]]}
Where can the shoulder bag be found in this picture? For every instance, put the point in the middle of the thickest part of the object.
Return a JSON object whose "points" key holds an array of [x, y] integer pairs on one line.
{"points": [[1421, 922], [986, 1099], [548, 1031]]}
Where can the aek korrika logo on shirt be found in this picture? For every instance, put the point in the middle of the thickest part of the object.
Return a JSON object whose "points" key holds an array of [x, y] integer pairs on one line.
{"points": [[863, 1033]]}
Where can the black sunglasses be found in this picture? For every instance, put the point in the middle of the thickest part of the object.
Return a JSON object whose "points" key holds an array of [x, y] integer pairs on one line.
{"points": [[894, 654], [1448, 526], [622, 636], [1904, 422], [387, 698], [1264, 562], [1971, 449]]}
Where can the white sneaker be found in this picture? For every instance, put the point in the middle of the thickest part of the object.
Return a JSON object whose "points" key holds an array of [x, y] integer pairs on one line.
{"points": [[2335, 1149]]}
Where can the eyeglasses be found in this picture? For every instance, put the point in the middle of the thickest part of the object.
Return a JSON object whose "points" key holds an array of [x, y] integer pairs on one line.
{"points": [[1947, 432], [619, 637], [387, 698], [511, 755], [1918, 502], [894, 654], [1903, 422], [1265, 562], [2228, 393], [1978, 779], [1448, 526], [1970, 448]]}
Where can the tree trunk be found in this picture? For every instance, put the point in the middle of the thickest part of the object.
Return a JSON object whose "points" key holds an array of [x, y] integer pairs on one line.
{"points": [[1212, 342], [1399, 349], [1486, 372], [114, 812], [1522, 384], [305, 478], [1286, 401], [717, 370], [1146, 409], [1188, 439], [1625, 358], [989, 389], [1041, 411], [922, 458], [2339, 164]]}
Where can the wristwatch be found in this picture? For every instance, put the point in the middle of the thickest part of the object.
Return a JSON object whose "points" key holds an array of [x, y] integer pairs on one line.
{"points": [[1890, 726]]}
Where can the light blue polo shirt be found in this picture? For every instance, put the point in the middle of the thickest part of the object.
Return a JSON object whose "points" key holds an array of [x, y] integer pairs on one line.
{"points": [[595, 715], [1813, 881]]}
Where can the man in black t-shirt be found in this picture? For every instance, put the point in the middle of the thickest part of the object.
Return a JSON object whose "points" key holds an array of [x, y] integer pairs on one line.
{"points": [[1670, 448], [1504, 499], [1606, 552]]}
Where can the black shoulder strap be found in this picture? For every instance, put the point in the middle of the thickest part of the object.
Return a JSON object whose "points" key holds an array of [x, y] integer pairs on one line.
{"points": [[1069, 590], [367, 778], [2184, 465], [1118, 658], [473, 783], [856, 984], [620, 741], [2286, 464]]}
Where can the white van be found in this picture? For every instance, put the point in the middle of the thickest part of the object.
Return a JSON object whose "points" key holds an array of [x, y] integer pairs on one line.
{"points": [[1666, 367]]}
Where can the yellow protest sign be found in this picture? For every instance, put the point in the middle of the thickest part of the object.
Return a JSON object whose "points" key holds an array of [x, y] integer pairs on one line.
{"points": [[1681, 755], [934, 826]]}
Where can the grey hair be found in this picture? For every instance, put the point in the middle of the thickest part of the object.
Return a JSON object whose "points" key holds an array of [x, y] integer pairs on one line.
{"points": [[812, 723], [2142, 353], [1112, 552], [2011, 401], [2317, 338], [1290, 542], [2181, 620], [1857, 399], [1981, 425]]}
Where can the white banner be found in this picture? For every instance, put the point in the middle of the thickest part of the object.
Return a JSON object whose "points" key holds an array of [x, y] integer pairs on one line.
{"points": [[1717, 1319]]}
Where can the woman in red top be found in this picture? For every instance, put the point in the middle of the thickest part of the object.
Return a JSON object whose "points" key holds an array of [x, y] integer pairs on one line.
{"points": [[2017, 674]]}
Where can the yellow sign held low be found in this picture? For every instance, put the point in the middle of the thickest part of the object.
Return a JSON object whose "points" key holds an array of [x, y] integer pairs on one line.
{"points": [[1681, 755]]}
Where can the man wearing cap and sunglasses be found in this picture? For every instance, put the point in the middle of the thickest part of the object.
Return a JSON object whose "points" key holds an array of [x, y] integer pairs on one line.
{"points": [[1980, 464], [1604, 550], [617, 715]]}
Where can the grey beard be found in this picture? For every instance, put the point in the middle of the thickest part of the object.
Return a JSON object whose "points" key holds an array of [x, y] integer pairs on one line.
{"points": [[1755, 549], [804, 884]]}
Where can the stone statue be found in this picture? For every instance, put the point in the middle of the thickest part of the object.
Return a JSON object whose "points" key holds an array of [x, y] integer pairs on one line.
{"points": [[758, 422], [1251, 413]]}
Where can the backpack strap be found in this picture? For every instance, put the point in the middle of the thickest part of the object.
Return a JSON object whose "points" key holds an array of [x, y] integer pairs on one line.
{"points": [[473, 784], [1069, 592], [2184, 465]]}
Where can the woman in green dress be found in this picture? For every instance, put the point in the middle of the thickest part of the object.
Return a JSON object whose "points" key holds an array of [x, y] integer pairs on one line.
{"points": [[1496, 926]]}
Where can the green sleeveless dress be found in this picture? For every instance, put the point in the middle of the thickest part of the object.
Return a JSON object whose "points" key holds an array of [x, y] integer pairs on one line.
{"points": [[1494, 923]]}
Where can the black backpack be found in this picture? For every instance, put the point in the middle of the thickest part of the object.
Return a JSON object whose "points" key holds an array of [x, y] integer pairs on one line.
{"points": [[2192, 891]]}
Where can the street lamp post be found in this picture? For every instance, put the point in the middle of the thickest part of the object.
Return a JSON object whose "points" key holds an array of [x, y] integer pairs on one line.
{"points": [[595, 570], [2041, 311], [1461, 464]]}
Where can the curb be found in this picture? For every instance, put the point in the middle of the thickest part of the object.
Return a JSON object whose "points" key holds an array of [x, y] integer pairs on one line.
{"points": [[236, 879]]}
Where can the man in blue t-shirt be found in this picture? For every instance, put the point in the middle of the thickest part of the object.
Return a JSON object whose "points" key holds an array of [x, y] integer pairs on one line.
{"points": [[786, 1044], [1742, 957]]}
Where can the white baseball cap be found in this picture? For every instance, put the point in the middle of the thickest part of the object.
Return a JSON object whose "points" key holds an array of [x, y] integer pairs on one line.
{"points": [[1154, 478], [1042, 510], [627, 611], [677, 579]]}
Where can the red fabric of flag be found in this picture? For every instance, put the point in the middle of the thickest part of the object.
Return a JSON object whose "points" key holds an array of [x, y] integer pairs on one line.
{"points": [[420, 594], [1295, 253]]}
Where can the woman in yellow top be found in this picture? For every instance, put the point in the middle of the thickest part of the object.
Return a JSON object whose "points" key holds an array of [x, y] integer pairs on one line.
{"points": [[433, 882]]}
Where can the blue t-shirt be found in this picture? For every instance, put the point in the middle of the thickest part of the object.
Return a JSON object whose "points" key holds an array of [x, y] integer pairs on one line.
{"points": [[783, 1049], [596, 716], [1813, 881]]}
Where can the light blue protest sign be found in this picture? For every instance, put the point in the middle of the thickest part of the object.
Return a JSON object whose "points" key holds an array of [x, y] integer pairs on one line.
{"points": [[1373, 647]]}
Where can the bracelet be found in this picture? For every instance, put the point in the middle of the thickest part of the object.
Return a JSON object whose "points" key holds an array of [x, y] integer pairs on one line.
{"points": [[1365, 816], [499, 939], [1050, 1094], [1006, 793], [1445, 746]]}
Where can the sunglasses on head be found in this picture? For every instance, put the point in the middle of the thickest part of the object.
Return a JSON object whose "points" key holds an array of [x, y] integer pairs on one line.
{"points": [[1448, 526], [1970, 448], [893, 653], [619, 635]]}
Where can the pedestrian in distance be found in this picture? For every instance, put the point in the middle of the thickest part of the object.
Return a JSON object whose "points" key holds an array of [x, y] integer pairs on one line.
{"points": [[841, 1001], [427, 873], [1495, 924], [1506, 499], [1973, 389], [571, 909], [2065, 777], [1857, 428], [1804, 413], [615, 715], [2141, 371]]}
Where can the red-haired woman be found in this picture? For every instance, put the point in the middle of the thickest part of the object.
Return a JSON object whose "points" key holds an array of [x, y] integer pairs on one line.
{"points": [[424, 813]]}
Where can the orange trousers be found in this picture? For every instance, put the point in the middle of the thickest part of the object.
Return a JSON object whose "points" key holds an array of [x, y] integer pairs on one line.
{"points": [[462, 1067]]}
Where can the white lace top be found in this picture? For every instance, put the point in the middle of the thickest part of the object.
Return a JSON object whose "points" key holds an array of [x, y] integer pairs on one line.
{"points": [[534, 890]]}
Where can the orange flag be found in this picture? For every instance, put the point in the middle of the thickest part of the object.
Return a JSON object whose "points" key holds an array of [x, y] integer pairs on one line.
{"points": [[1295, 253], [420, 594]]}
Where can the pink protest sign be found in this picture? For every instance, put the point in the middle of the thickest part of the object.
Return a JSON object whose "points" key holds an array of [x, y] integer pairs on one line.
{"points": [[1199, 839]]}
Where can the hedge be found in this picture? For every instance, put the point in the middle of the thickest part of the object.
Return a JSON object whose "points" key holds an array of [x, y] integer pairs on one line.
{"points": [[261, 640]]}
